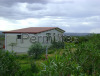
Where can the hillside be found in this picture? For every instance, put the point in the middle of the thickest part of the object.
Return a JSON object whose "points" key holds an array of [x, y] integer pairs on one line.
{"points": [[76, 34], [1, 32], [68, 34], [1, 35]]}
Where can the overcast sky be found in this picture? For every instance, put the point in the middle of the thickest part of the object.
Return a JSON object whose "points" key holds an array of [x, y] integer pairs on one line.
{"points": [[82, 16]]}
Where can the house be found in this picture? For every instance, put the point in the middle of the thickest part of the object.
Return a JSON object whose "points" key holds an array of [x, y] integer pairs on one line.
{"points": [[20, 40]]}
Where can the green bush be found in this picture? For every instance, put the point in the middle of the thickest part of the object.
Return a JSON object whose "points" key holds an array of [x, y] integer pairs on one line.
{"points": [[89, 58], [51, 51], [60, 66], [43, 57], [2, 37], [25, 72], [57, 45], [36, 50], [8, 64], [30, 70], [22, 56], [87, 55], [34, 68], [82, 39]]}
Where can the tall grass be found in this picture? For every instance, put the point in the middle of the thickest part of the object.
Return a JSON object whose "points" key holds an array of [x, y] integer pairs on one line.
{"points": [[83, 61]]}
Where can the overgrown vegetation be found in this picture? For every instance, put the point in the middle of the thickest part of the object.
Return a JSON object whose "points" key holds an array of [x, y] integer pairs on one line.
{"points": [[78, 60], [36, 50], [8, 64], [57, 45], [75, 59], [2, 37]]}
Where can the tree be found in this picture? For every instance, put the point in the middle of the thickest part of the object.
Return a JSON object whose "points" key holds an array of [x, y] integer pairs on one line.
{"points": [[36, 50]]}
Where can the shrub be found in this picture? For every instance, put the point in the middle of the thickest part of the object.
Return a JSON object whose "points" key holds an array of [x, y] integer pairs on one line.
{"points": [[36, 50], [50, 51], [8, 64], [34, 68], [57, 45], [43, 57], [22, 56], [28, 70], [25, 72], [60, 66], [82, 39], [88, 57]]}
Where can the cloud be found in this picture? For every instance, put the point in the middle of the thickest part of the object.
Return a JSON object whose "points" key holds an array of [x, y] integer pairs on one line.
{"points": [[35, 9], [95, 30], [70, 15], [69, 25], [13, 2], [35, 6], [17, 24]]}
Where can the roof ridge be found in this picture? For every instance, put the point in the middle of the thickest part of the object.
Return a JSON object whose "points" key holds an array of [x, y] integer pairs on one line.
{"points": [[31, 30]]}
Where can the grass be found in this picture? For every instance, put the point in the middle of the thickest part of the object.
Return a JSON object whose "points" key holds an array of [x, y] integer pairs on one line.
{"points": [[25, 66], [25, 60]]}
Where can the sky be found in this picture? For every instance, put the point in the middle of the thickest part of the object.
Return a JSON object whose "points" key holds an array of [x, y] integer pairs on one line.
{"points": [[75, 16]]}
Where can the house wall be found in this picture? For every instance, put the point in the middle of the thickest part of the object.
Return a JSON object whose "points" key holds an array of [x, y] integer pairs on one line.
{"points": [[23, 46]]}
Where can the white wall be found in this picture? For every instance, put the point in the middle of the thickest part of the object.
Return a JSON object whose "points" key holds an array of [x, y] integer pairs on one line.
{"points": [[24, 46]]}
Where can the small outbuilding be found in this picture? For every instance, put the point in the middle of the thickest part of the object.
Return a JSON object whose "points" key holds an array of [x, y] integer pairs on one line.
{"points": [[20, 40]]}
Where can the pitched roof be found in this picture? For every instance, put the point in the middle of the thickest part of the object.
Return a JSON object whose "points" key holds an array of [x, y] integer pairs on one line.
{"points": [[32, 30]]}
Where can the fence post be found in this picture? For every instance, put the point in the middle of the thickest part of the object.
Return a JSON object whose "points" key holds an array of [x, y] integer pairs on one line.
{"points": [[47, 52]]}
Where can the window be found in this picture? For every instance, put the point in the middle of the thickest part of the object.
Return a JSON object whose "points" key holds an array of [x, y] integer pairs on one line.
{"points": [[48, 34], [18, 36]]}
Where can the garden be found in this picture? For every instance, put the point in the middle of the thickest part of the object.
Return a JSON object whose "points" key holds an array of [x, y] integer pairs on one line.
{"points": [[79, 57]]}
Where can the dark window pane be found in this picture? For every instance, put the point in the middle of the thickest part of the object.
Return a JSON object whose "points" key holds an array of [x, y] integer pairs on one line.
{"points": [[48, 34], [18, 36]]}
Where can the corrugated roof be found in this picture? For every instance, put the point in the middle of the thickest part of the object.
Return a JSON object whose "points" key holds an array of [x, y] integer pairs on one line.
{"points": [[31, 30]]}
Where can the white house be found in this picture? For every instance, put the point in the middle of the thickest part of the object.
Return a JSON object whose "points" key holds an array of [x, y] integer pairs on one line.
{"points": [[20, 40]]}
